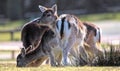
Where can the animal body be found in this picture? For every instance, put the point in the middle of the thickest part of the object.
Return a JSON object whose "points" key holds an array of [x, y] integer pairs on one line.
{"points": [[36, 37], [93, 38], [74, 34], [71, 34], [55, 38]]}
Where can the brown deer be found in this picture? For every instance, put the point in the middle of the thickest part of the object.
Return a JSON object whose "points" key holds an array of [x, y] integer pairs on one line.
{"points": [[37, 38], [95, 47], [97, 31], [93, 37]]}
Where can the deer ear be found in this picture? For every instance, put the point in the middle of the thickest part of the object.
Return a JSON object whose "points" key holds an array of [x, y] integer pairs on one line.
{"points": [[42, 8], [54, 7], [23, 52]]}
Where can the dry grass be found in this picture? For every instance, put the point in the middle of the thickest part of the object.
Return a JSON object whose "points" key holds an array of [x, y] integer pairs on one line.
{"points": [[12, 67]]}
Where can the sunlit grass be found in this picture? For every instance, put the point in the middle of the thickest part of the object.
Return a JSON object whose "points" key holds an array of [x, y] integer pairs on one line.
{"points": [[4, 37], [10, 25], [101, 16], [8, 66], [17, 36], [7, 36], [12, 67]]}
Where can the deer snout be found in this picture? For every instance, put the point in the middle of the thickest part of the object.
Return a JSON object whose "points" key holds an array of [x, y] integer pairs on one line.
{"points": [[20, 61]]}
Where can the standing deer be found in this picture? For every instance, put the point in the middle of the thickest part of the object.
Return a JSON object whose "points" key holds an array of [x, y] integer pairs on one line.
{"points": [[73, 34], [37, 38]]}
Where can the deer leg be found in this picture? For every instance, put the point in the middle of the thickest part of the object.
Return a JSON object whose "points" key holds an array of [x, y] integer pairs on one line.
{"points": [[65, 52], [59, 58], [52, 59], [64, 58]]}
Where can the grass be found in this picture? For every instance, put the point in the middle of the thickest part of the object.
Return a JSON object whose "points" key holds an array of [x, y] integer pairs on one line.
{"points": [[12, 67], [112, 57], [7, 37], [101, 16], [10, 26], [90, 17]]}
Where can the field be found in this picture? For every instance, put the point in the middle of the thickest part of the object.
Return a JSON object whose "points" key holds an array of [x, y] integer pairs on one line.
{"points": [[110, 62], [10, 25], [100, 17], [12, 67], [90, 17], [8, 65]]}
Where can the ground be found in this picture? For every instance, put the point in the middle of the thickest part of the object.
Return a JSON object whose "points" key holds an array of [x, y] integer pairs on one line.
{"points": [[11, 67]]}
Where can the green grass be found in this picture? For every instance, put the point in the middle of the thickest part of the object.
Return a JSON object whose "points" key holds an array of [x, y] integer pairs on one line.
{"points": [[10, 25], [12, 67], [100, 17], [17, 36], [7, 37], [90, 17]]}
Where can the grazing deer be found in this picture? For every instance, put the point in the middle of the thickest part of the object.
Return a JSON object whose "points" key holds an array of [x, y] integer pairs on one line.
{"points": [[94, 47], [93, 37], [37, 38], [97, 31]]}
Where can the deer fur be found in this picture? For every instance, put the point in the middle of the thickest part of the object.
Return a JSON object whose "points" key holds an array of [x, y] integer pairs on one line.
{"points": [[93, 38], [71, 34], [97, 31], [37, 38], [94, 49], [74, 34]]}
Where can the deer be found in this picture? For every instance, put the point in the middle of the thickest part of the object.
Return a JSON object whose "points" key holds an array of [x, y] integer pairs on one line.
{"points": [[63, 38], [95, 47], [37, 38], [93, 37], [71, 34], [91, 49], [75, 37], [97, 31]]}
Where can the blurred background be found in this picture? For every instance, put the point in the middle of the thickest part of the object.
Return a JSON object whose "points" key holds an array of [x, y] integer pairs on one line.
{"points": [[15, 13], [22, 9]]}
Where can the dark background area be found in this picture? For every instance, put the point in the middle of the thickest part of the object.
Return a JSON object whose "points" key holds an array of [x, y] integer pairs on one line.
{"points": [[22, 9]]}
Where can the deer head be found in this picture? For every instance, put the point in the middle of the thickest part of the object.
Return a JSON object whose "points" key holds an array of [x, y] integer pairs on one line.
{"points": [[21, 58], [49, 15]]}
